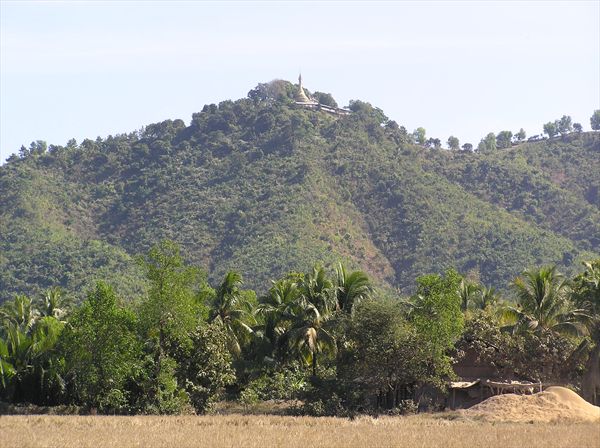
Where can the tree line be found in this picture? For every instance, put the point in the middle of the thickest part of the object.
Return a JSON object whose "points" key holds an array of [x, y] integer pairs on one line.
{"points": [[506, 139], [328, 338]]}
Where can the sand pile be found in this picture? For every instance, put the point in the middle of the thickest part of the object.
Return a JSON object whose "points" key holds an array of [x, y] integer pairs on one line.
{"points": [[554, 404]]}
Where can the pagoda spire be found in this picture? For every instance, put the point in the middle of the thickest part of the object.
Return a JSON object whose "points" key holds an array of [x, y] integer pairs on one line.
{"points": [[300, 94]]}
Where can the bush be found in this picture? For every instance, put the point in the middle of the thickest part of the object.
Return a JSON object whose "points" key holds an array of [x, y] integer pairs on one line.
{"points": [[408, 407], [285, 384], [249, 397], [330, 407], [207, 367]]}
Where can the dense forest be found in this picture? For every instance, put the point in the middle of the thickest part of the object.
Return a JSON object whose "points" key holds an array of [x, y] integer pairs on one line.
{"points": [[159, 271], [327, 340], [263, 187]]}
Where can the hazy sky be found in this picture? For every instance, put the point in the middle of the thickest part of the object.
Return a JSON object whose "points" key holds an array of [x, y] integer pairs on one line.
{"points": [[88, 69]]}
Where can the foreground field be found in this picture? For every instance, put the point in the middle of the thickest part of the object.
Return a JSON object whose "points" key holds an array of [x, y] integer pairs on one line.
{"points": [[275, 431]]}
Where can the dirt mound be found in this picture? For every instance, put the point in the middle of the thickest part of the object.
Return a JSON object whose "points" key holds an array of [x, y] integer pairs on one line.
{"points": [[554, 404]]}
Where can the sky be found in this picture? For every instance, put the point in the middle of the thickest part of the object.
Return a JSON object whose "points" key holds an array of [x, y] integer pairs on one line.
{"points": [[88, 69]]}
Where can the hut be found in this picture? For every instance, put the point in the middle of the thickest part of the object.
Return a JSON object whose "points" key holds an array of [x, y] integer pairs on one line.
{"points": [[479, 381], [464, 394]]}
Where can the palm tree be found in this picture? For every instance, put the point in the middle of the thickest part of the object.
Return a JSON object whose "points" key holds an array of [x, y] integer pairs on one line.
{"points": [[587, 286], [318, 290], [316, 300], [487, 297], [7, 370], [308, 336], [19, 313], [232, 310], [50, 303], [23, 350], [587, 294], [543, 298], [277, 308], [468, 292], [350, 288]]}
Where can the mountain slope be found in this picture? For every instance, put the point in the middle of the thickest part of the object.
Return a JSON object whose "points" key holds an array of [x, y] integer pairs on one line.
{"points": [[263, 187]]}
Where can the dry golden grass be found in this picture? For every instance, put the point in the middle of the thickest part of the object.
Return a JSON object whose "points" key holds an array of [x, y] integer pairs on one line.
{"points": [[276, 431]]}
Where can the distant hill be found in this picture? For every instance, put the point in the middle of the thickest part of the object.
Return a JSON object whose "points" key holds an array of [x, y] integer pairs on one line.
{"points": [[263, 186]]}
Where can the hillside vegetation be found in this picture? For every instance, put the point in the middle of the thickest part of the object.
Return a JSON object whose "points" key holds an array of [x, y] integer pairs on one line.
{"points": [[263, 187]]}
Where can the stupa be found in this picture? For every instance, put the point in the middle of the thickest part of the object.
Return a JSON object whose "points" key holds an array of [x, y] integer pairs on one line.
{"points": [[303, 100], [301, 96]]}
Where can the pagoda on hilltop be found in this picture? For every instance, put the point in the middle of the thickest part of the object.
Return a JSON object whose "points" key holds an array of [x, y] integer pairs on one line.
{"points": [[301, 97], [303, 100]]}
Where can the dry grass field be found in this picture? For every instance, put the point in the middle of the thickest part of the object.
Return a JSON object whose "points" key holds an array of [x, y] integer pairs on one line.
{"points": [[277, 431]]}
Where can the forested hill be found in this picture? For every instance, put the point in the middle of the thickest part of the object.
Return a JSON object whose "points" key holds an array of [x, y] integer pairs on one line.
{"points": [[264, 187]]}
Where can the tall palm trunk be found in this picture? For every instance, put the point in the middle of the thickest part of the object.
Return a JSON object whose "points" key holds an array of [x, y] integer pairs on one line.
{"points": [[590, 383]]}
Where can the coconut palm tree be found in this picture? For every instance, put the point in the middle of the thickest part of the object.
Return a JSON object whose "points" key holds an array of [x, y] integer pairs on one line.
{"points": [[50, 303], [468, 291], [318, 290], [485, 298], [587, 286], [232, 310], [543, 298], [23, 351], [587, 295], [19, 313], [278, 309], [350, 288], [308, 336]]}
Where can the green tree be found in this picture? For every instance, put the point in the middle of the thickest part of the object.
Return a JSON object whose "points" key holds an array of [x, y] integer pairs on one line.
{"points": [[595, 120], [277, 90], [434, 142], [28, 371], [504, 139], [366, 111], [587, 287], [277, 309], [521, 135], [467, 147], [437, 315], [318, 290], [309, 336], [325, 98], [382, 354], [102, 351], [419, 135], [544, 355], [232, 310], [488, 143], [206, 367], [50, 305], [543, 298], [468, 291], [350, 288], [577, 128], [550, 128], [19, 313], [487, 297], [586, 293], [169, 313], [453, 143], [564, 125]]}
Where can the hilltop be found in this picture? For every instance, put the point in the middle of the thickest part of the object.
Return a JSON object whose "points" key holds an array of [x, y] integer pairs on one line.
{"points": [[264, 187]]}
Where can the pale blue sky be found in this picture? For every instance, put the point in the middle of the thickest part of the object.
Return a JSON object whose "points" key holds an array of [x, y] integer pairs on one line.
{"points": [[82, 70]]}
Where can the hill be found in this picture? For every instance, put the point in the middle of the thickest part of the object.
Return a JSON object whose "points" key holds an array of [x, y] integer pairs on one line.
{"points": [[264, 187]]}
